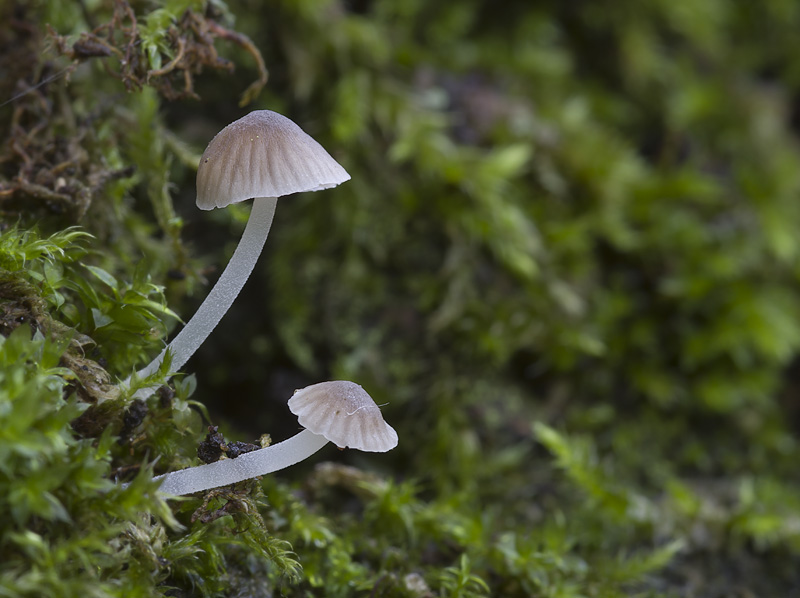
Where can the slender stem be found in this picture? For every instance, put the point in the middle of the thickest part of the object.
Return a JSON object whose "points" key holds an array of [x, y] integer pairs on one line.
{"points": [[223, 294], [229, 471]]}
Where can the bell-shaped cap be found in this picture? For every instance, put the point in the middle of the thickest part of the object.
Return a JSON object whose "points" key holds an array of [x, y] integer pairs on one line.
{"points": [[263, 154], [345, 414]]}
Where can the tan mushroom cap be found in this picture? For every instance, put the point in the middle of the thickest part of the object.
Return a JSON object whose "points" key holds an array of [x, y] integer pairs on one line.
{"points": [[263, 154], [345, 414]]}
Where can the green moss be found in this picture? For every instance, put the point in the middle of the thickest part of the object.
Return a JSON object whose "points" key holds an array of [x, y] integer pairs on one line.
{"points": [[566, 266]]}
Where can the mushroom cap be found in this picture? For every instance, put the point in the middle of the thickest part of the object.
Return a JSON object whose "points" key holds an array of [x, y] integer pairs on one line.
{"points": [[263, 154], [345, 414]]}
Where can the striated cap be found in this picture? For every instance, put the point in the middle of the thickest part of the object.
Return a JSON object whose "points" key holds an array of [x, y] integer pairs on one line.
{"points": [[263, 154], [345, 414]]}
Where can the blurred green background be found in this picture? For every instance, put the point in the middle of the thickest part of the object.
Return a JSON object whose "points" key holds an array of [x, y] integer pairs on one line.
{"points": [[566, 265]]}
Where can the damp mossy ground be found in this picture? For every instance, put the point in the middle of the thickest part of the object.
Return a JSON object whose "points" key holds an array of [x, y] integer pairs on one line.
{"points": [[566, 266]]}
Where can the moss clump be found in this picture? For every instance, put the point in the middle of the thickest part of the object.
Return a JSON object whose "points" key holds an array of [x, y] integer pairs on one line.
{"points": [[566, 264]]}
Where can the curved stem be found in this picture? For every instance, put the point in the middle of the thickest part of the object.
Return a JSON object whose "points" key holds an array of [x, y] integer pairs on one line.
{"points": [[224, 292], [229, 471]]}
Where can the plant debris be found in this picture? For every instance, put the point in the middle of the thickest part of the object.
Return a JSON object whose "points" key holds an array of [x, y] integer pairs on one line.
{"points": [[187, 44], [214, 447]]}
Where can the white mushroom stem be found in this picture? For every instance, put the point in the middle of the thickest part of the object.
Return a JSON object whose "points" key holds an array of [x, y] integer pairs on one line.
{"points": [[246, 466], [223, 294]]}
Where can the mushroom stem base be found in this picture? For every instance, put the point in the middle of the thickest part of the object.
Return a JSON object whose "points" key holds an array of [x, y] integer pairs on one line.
{"points": [[230, 471], [222, 296]]}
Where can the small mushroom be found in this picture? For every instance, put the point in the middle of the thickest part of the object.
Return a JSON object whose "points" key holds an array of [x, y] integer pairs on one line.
{"points": [[263, 155], [345, 414], [340, 412]]}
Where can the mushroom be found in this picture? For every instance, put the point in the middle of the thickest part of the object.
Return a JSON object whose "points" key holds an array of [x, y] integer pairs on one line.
{"points": [[340, 412], [345, 414], [264, 156]]}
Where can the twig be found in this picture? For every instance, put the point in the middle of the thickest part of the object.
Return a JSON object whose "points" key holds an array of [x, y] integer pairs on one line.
{"points": [[239, 38]]}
